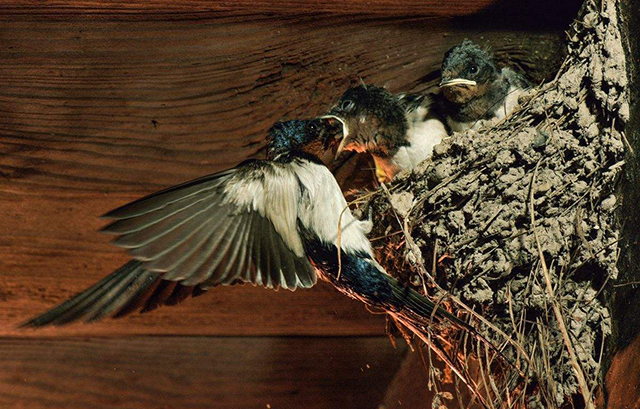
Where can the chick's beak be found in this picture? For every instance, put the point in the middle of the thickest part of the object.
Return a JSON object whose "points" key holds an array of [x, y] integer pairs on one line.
{"points": [[339, 136], [458, 82]]}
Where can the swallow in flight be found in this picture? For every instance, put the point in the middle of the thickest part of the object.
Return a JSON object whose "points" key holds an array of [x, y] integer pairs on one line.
{"points": [[278, 223]]}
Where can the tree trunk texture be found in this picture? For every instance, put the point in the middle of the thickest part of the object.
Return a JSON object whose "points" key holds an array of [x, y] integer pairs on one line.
{"points": [[532, 224]]}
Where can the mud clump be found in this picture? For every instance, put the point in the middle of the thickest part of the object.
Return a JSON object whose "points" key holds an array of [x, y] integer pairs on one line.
{"points": [[463, 220]]}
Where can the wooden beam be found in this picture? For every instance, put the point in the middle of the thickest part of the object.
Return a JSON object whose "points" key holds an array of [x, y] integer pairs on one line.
{"points": [[171, 9], [622, 387], [622, 382], [124, 107], [196, 372]]}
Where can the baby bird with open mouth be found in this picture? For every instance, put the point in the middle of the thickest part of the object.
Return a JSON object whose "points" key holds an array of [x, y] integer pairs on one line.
{"points": [[399, 131], [473, 88]]}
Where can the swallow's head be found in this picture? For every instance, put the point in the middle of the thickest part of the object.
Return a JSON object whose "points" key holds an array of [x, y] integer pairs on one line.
{"points": [[372, 119], [467, 72], [301, 135]]}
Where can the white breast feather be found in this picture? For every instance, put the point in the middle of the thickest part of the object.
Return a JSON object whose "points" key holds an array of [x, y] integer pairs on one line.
{"points": [[422, 136], [279, 198], [321, 212], [509, 104]]}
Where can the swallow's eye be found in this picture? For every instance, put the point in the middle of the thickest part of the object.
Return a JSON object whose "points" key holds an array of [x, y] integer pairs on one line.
{"points": [[312, 127], [473, 69], [347, 105]]}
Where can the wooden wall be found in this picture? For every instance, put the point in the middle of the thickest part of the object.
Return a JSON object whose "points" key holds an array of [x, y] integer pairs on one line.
{"points": [[102, 102]]}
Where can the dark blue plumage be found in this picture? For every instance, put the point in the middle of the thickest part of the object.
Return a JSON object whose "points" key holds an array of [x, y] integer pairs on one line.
{"points": [[299, 137]]}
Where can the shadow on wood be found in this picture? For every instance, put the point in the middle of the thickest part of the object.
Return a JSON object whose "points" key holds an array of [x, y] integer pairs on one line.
{"points": [[196, 372]]}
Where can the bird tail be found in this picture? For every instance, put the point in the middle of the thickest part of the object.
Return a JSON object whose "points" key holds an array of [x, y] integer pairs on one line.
{"points": [[121, 292], [420, 309]]}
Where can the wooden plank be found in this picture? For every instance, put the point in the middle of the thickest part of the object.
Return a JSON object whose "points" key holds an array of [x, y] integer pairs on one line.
{"points": [[121, 106], [622, 381], [96, 113], [412, 387], [52, 257], [173, 9], [196, 372]]}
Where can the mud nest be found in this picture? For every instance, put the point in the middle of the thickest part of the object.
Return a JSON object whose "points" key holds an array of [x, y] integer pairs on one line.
{"points": [[499, 210]]}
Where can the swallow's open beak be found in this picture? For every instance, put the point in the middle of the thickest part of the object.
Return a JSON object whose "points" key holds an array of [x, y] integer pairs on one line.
{"points": [[458, 82], [339, 136]]}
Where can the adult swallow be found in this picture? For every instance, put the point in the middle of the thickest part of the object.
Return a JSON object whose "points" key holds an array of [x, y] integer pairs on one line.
{"points": [[280, 222], [399, 131], [473, 88]]}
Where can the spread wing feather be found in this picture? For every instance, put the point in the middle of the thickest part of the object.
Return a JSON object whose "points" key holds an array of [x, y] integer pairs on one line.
{"points": [[238, 225]]}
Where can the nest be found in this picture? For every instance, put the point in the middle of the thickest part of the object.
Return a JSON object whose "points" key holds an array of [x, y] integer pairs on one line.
{"points": [[513, 225]]}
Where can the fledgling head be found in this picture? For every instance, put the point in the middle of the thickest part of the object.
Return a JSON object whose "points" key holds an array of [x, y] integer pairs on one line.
{"points": [[373, 120], [467, 72], [312, 136]]}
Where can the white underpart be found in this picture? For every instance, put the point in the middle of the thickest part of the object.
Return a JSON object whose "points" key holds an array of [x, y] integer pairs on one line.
{"points": [[325, 208], [500, 111], [422, 135], [318, 206], [509, 104]]}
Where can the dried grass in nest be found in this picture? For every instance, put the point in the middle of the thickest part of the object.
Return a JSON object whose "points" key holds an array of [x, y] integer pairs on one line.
{"points": [[513, 227]]}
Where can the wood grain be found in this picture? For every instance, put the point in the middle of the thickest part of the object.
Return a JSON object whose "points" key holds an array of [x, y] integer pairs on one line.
{"points": [[177, 9], [622, 382], [120, 106], [57, 256], [96, 113], [412, 387], [195, 372], [102, 102]]}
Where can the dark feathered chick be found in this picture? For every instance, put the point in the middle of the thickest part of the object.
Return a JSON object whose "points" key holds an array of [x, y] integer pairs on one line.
{"points": [[269, 222], [399, 131], [473, 88]]}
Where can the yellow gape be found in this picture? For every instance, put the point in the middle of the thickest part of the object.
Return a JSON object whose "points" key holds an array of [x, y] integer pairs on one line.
{"points": [[381, 174]]}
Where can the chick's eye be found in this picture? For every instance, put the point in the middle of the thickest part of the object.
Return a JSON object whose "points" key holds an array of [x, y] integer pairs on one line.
{"points": [[473, 69], [347, 105]]}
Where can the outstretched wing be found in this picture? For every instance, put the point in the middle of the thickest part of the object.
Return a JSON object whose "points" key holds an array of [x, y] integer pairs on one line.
{"points": [[239, 225], [236, 225]]}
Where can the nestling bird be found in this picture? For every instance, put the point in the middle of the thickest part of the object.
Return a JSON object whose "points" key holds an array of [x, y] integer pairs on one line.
{"points": [[399, 131], [473, 88], [270, 222]]}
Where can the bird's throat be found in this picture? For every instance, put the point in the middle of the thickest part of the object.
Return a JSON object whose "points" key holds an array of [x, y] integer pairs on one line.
{"points": [[385, 170]]}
